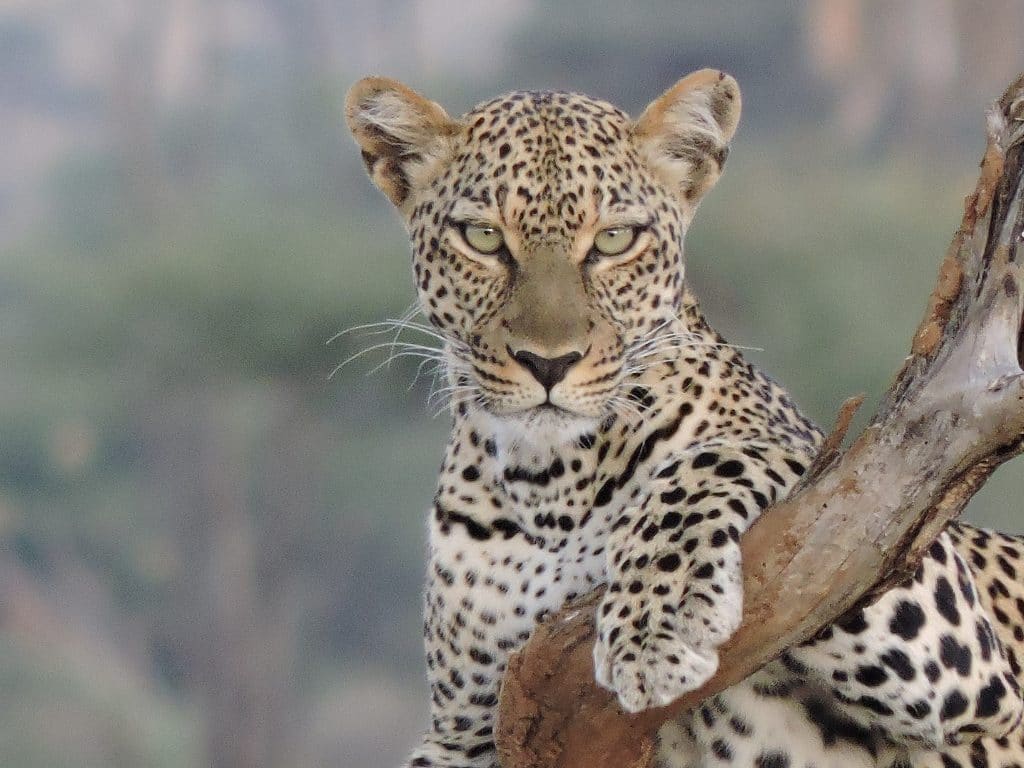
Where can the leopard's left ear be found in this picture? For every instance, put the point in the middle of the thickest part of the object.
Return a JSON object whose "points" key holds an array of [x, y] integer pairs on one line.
{"points": [[684, 134]]}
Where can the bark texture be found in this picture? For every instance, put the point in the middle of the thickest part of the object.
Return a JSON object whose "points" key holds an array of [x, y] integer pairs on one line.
{"points": [[861, 518]]}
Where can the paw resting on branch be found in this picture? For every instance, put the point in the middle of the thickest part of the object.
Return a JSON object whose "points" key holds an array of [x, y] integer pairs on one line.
{"points": [[860, 520]]}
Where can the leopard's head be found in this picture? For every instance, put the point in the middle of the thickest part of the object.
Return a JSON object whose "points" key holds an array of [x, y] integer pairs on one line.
{"points": [[547, 234]]}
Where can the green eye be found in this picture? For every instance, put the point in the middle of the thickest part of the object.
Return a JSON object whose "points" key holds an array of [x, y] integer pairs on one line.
{"points": [[614, 240], [483, 238]]}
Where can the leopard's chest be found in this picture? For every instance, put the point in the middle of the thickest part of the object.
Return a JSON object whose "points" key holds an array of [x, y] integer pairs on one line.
{"points": [[490, 594]]}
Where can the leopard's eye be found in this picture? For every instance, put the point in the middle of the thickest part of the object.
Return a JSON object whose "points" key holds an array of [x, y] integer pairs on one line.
{"points": [[483, 238], [614, 240]]}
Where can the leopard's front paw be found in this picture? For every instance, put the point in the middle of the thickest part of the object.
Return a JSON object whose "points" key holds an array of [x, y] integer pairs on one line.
{"points": [[647, 661]]}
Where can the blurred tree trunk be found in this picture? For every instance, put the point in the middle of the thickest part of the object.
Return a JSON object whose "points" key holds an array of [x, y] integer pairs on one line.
{"points": [[246, 590], [134, 115], [234, 688], [904, 64]]}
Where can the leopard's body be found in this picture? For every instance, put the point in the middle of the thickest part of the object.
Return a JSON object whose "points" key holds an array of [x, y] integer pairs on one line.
{"points": [[604, 433]]}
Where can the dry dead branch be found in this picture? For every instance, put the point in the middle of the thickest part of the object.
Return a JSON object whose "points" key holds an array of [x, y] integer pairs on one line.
{"points": [[861, 518]]}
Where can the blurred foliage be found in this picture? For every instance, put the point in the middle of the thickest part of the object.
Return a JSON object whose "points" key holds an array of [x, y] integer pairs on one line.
{"points": [[210, 551], [58, 712]]}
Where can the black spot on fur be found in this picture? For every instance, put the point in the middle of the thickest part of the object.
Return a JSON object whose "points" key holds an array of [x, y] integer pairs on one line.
{"points": [[870, 675], [668, 563], [853, 623], [731, 468], [907, 620], [955, 656], [954, 705], [706, 459], [919, 709], [899, 663], [989, 696], [772, 760], [945, 601], [721, 749], [674, 496]]}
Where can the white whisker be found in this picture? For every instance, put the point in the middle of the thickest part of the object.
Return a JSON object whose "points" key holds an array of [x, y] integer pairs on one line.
{"points": [[426, 358], [394, 324], [373, 347]]}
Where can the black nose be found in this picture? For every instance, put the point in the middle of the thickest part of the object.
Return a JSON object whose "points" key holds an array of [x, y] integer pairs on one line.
{"points": [[547, 370]]}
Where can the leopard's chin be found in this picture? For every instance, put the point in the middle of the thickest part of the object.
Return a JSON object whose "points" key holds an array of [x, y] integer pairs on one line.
{"points": [[531, 437]]}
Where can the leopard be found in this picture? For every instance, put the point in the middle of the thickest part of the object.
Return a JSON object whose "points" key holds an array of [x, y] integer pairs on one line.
{"points": [[603, 433]]}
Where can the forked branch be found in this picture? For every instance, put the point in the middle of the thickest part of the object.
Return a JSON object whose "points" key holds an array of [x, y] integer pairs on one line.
{"points": [[860, 520]]}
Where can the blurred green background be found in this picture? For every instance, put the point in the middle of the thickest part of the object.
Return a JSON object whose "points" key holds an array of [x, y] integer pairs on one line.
{"points": [[210, 552]]}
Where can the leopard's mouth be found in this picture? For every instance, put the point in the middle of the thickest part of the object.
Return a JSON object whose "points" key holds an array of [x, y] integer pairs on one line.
{"points": [[546, 413], [549, 413], [548, 407], [539, 430]]}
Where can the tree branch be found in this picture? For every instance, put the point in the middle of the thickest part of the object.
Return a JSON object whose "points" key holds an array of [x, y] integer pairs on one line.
{"points": [[860, 520]]}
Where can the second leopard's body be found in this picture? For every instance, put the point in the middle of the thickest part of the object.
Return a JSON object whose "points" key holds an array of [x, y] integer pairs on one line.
{"points": [[604, 433]]}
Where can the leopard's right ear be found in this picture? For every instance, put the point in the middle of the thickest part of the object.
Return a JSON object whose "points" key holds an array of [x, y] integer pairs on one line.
{"points": [[404, 137]]}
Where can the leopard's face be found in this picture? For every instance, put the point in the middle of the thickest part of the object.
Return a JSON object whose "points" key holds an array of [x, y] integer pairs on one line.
{"points": [[547, 233], [545, 250]]}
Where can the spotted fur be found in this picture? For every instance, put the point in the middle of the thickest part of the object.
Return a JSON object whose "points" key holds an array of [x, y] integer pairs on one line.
{"points": [[604, 433]]}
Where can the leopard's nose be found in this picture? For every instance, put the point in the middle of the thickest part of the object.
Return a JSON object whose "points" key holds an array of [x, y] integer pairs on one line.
{"points": [[547, 370]]}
